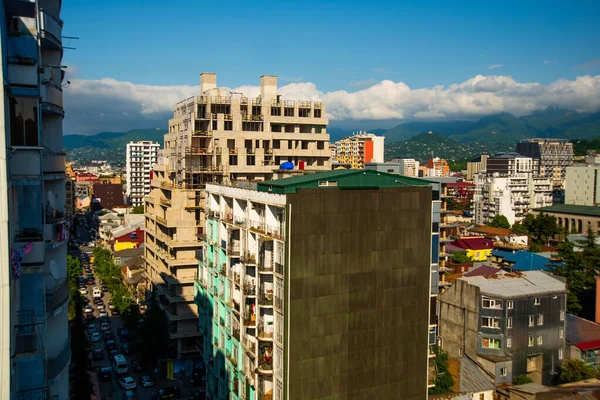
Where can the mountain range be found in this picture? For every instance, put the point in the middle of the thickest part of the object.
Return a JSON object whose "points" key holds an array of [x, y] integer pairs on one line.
{"points": [[113, 140]]}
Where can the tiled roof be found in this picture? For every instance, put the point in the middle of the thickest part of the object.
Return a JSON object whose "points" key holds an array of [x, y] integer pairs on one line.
{"points": [[475, 243], [472, 379], [490, 230], [571, 209], [584, 334], [484, 270], [520, 284], [135, 263], [129, 252]]}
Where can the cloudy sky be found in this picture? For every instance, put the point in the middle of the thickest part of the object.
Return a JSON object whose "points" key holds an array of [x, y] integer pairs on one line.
{"points": [[368, 61]]}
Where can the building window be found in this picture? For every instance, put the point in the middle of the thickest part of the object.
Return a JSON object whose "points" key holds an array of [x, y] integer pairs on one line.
{"points": [[560, 354], [508, 342], [536, 301], [490, 343], [509, 323], [276, 111], [561, 333], [510, 304], [531, 320], [562, 315], [228, 125], [489, 322], [24, 122], [503, 372], [250, 160], [530, 341], [540, 319], [288, 112], [539, 339], [491, 303], [317, 113]]}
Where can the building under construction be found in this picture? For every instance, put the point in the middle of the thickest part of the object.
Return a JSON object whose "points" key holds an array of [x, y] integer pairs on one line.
{"points": [[555, 156]]}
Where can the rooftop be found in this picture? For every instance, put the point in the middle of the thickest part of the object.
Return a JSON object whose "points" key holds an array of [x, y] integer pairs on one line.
{"points": [[519, 284], [483, 270], [571, 209], [129, 252], [524, 260], [468, 378], [584, 334], [490, 230], [342, 179], [135, 237], [473, 243], [509, 155]]}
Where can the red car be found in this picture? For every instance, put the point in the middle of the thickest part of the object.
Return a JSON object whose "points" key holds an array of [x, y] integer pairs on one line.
{"points": [[91, 282]]}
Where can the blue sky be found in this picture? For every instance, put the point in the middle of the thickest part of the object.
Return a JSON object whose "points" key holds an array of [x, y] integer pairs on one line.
{"points": [[336, 45]]}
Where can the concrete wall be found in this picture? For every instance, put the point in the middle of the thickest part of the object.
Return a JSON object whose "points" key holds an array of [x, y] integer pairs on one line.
{"points": [[358, 293], [582, 186]]}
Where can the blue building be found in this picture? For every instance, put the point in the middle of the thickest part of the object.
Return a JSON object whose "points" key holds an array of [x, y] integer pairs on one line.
{"points": [[34, 292], [520, 261]]}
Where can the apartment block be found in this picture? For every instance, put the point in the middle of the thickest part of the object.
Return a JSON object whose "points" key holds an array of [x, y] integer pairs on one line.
{"points": [[437, 167], [476, 165], [408, 166], [555, 156], [510, 323], [317, 286], [358, 149], [35, 348], [582, 185], [140, 158], [511, 164]]}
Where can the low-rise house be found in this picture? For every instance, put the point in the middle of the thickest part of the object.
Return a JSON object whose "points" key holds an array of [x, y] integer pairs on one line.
{"points": [[503, 238], [129, 240], [477, 248], [469, 382], [583, 340], [121, 257], [510, 323], [133, 274], [521, 260]]}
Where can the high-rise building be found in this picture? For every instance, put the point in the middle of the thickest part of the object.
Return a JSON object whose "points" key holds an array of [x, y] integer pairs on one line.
{"points": [[35, 347], [476, 165], [582, 185], [218, 137], [555, 156], [313, 279], [511, 164], [408, 166], [437, 167], [358, 149], [140, 158]]}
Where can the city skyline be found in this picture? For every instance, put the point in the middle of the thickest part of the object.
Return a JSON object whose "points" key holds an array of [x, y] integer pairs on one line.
{"points": [[416, 61]]}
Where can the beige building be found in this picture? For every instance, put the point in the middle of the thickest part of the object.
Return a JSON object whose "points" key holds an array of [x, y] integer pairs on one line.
{"points": [[477, 165], [574, 218], [218, 137], [555, 156], [582, 185], [358, 149]]}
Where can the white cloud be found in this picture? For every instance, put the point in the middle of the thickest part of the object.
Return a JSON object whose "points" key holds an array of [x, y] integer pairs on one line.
{"points": [[363, 84], [494, 66], [127, 106], [546, 62]]}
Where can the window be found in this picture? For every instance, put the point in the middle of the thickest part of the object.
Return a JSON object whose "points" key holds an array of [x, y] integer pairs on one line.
{"points": [[24, 122], [540, 319], [539, 339], [531, 320], [489, 322], [530, 341], [560, 354], [276, 144], [536, 301], [250, 160], [562, 315], [317, 113], [491, 303], [490, 343], [509, 323], [508, 342], [276, 111], [304, 112], [510, 304], [233, 160], [481, 396], [288, 111], [503, 372], [228, 125], [477, 255], [561, 333]]}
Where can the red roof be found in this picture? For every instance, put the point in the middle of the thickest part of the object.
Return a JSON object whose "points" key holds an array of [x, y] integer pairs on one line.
{"points": [[139, 237], [592, 344], [460, 185], [475, 243], [484, 270]]}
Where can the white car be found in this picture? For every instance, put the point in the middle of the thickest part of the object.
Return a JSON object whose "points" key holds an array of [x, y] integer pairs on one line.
{"points": [[83, 291], [146, 381], [95, 337], [100, 307], [103, 313], [88, 309], [127, 383]]}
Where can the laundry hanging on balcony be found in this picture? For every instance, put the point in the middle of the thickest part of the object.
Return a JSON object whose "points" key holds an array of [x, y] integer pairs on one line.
{"points": [[16, 257]]}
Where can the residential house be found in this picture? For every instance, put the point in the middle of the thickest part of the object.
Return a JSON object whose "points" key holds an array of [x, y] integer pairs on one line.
{"points": [[121, 257], [477, 248], [520, 260], [129, 240], [583, 340], [133, 275], [469, 382]]}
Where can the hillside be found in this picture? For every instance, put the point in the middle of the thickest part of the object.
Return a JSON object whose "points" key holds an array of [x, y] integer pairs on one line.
{"points": [[113, 140], [424, 145]]}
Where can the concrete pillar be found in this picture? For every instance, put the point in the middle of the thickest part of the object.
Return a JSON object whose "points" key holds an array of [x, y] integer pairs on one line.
{"points": [[208, 81], [268, 87]]}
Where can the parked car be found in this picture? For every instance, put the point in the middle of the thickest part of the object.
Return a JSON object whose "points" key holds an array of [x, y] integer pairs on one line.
{"points": [[169, 392], [105, 288], [83, 291], [95, 337], [105, 327], [98, 354], [91, 328], [113, 352], [103, 313], [127, 383], [105, 374], [125, 348], [146, 381], [111, 345], [91, 282], [114, 312], [97, 300], [129, 395], [88, 309], [136, 365], [108, 336], [100, 306]]}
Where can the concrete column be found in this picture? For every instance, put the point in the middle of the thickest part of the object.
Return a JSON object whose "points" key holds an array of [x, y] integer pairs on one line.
{"points": [[207, 81]]}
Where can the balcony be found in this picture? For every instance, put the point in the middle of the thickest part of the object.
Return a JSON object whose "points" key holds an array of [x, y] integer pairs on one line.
{"points": [[54, 163], [265, 366], [248, 258], [249, 290], [52, 96], [50, 31], [57, 364], [165, 202], [230, 358], [57, 297], [250, 320], [266, 299], [279, 268], [25, 163], [26, 333], [233, 249], [265, 267], [55, 234]]}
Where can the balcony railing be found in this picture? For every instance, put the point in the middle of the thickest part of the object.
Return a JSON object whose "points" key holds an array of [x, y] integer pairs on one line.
{"points": [[266, 299], [250, 319], [248, 258], [58, 296]]}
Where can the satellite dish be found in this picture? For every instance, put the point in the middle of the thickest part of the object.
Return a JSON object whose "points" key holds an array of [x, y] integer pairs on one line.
{"points": [[54, 270], [51, 200]]}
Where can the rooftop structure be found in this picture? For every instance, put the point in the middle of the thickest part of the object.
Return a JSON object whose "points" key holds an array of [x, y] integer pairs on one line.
{"points": [[519, 284]]}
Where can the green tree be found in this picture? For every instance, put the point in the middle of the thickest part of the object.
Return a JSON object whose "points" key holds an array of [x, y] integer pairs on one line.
{"points": [[499, 221], [575, 371], [154, 334], [522, 379], [137, 210], [460, 257], [74, 270], [542, 227], [444, 379], [518, 227]]}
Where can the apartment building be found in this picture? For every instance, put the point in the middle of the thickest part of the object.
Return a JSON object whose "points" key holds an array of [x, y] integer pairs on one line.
{"points": [[582, 185], [316, 279], [510, 323], [140, 158], [218, 137], [35, 349], [510, 195], [511, 164], [555, 156], [476, 165], [358, 149], [408, 166], [437, 167]]}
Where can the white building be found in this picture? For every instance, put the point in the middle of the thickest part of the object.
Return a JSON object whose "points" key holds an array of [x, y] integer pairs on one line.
{"points": [[582, 185], [141, 157], [358, 149], [408, 166], [512, 196], [35, 347]]}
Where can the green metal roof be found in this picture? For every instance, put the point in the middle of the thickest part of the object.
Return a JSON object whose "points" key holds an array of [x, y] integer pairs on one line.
{"points": [[571, 209], [343, 178]]}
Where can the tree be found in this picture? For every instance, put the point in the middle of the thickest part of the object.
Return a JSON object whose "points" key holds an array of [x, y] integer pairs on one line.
{"points": [[575, 371], [137, 210], [460, 257], [542, 227], [518, 227], [444, 379], [499, 221], [74, 271], [522, 379]]}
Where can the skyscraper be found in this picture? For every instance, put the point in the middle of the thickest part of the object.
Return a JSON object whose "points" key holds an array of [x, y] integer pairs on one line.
{"points": [[140, 158], [34, 292]]}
